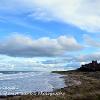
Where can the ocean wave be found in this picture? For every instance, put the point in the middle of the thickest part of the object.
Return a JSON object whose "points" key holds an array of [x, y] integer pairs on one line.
{"points": [[30, 82]]}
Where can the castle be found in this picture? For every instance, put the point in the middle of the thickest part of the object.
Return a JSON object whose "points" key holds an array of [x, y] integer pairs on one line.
{"points": [[94, 66]]}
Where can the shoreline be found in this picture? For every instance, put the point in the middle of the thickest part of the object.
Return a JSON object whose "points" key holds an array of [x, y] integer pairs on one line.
{"points": [[86, 86]]}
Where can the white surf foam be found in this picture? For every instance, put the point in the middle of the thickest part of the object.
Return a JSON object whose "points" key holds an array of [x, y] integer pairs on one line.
{"points": [[30, 82]]}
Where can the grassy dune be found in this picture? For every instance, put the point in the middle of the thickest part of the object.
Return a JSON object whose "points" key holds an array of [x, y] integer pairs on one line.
{"points": [[85, 86]]}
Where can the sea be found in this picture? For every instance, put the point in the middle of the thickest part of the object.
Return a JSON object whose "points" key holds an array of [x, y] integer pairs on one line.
{"points": [[24, 82]]}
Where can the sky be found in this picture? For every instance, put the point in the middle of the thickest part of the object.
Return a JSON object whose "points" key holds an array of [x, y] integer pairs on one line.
{"points": [[46, 35]]}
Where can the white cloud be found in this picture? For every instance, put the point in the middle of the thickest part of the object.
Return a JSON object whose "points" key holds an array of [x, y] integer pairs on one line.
{"points": [[81, 13], [92, 41], [88, 57], [27, 64], [24, 46], [46, 64], [84, 14]]}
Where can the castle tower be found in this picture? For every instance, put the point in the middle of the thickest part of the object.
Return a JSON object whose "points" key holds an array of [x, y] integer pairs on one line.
{"points": [[94, 63]]}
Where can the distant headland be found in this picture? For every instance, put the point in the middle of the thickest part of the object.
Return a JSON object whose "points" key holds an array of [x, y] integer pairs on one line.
{"points": [[93, 66]]}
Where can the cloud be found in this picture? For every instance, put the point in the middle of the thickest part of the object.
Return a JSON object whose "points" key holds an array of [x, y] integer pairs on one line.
{"points": [[74, 61], [92, 41], [46, 64], [89, 57], [25, 46], [83, 58], [81, 13], [84, 14], [27, 64]]}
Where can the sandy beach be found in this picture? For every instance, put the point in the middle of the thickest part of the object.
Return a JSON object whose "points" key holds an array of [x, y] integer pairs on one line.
{"points": [[83, 86]]}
